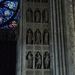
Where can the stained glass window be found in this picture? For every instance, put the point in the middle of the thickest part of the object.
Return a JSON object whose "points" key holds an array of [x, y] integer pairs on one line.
{"points": [[9, 14]]}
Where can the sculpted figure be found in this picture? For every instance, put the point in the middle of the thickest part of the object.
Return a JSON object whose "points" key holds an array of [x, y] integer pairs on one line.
{"points": [[29, 57], [38, 59], [29, 15], [37, 37], [45, 16], [29, 37], [46, 60], [46, 37], [37, 16]]}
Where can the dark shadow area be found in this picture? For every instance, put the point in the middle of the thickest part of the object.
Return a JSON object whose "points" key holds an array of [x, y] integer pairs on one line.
{"points": [[7, 58]]}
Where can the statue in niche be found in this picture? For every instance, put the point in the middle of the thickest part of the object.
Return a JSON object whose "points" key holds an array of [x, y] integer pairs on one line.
{"points": [[38, 60], [45, 16], [37, 37], [37, 16], [36, 0], [45, 1], [29, 0], [46, 37], [29, 58], [46, 60], [29, 37], [29, 15]]}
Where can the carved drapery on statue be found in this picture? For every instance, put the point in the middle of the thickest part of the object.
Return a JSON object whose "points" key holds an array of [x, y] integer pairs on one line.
{"points": [[37, 16], [29, 37], [29, 58], [45, 16], [29, 15]]}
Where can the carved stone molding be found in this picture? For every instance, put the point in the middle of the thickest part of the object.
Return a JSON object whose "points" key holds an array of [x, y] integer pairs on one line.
{"points": [[72, 31], [70, 35]]}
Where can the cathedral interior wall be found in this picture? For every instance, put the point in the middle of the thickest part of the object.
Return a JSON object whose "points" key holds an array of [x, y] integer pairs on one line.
{"points": [[29, 28]]}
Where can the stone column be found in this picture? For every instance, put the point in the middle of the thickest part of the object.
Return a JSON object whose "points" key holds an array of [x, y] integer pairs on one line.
{"points": [[62, 38], [62, 34], [72, 29], [57, 38], [70, 38], [71, 32], [19, 44]]}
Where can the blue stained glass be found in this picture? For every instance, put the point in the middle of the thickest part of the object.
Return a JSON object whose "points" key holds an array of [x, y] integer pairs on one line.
{"points": [[7, 10], [1, 12], [17, 16], [1, 0], [11, 5], [8, 13], [1, 19], [13, 24]]}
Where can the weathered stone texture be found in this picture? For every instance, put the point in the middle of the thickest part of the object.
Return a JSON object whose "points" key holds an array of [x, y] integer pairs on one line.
{"points": [[21, 56], [72, 29]]}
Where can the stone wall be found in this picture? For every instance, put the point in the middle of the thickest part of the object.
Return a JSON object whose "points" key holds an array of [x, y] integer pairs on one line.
{"points": [[70, 44], [74, 31], [72, 28]]}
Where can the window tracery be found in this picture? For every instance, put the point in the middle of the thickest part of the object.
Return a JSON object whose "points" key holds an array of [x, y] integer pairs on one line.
{"points": [[9, 14]]}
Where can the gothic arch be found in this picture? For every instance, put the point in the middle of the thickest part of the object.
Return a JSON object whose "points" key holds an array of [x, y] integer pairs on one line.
{"points": [[29, 15]]}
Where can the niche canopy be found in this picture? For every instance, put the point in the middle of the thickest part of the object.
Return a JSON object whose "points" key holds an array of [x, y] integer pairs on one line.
{"points": [[8, 11]]}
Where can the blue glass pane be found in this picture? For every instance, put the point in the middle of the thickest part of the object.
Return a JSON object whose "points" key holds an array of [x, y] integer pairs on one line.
{"points": [[13, 24], [1, 0], [17, 16], [1, 19], [11, 5], [7, 13], [7, 10]]}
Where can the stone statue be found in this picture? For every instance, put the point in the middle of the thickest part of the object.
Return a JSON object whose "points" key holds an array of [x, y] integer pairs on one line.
{"points": [[38, 60], [37, 16], [29, 15], [29, 37], [37, 37], [29, 57], [46, 60], [46, 37], [45, 16]]}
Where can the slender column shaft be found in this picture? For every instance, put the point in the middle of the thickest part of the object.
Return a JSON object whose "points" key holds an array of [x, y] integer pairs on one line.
{"points": [[62, 38], [55, 39], [19, 44], [52, 38]]}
